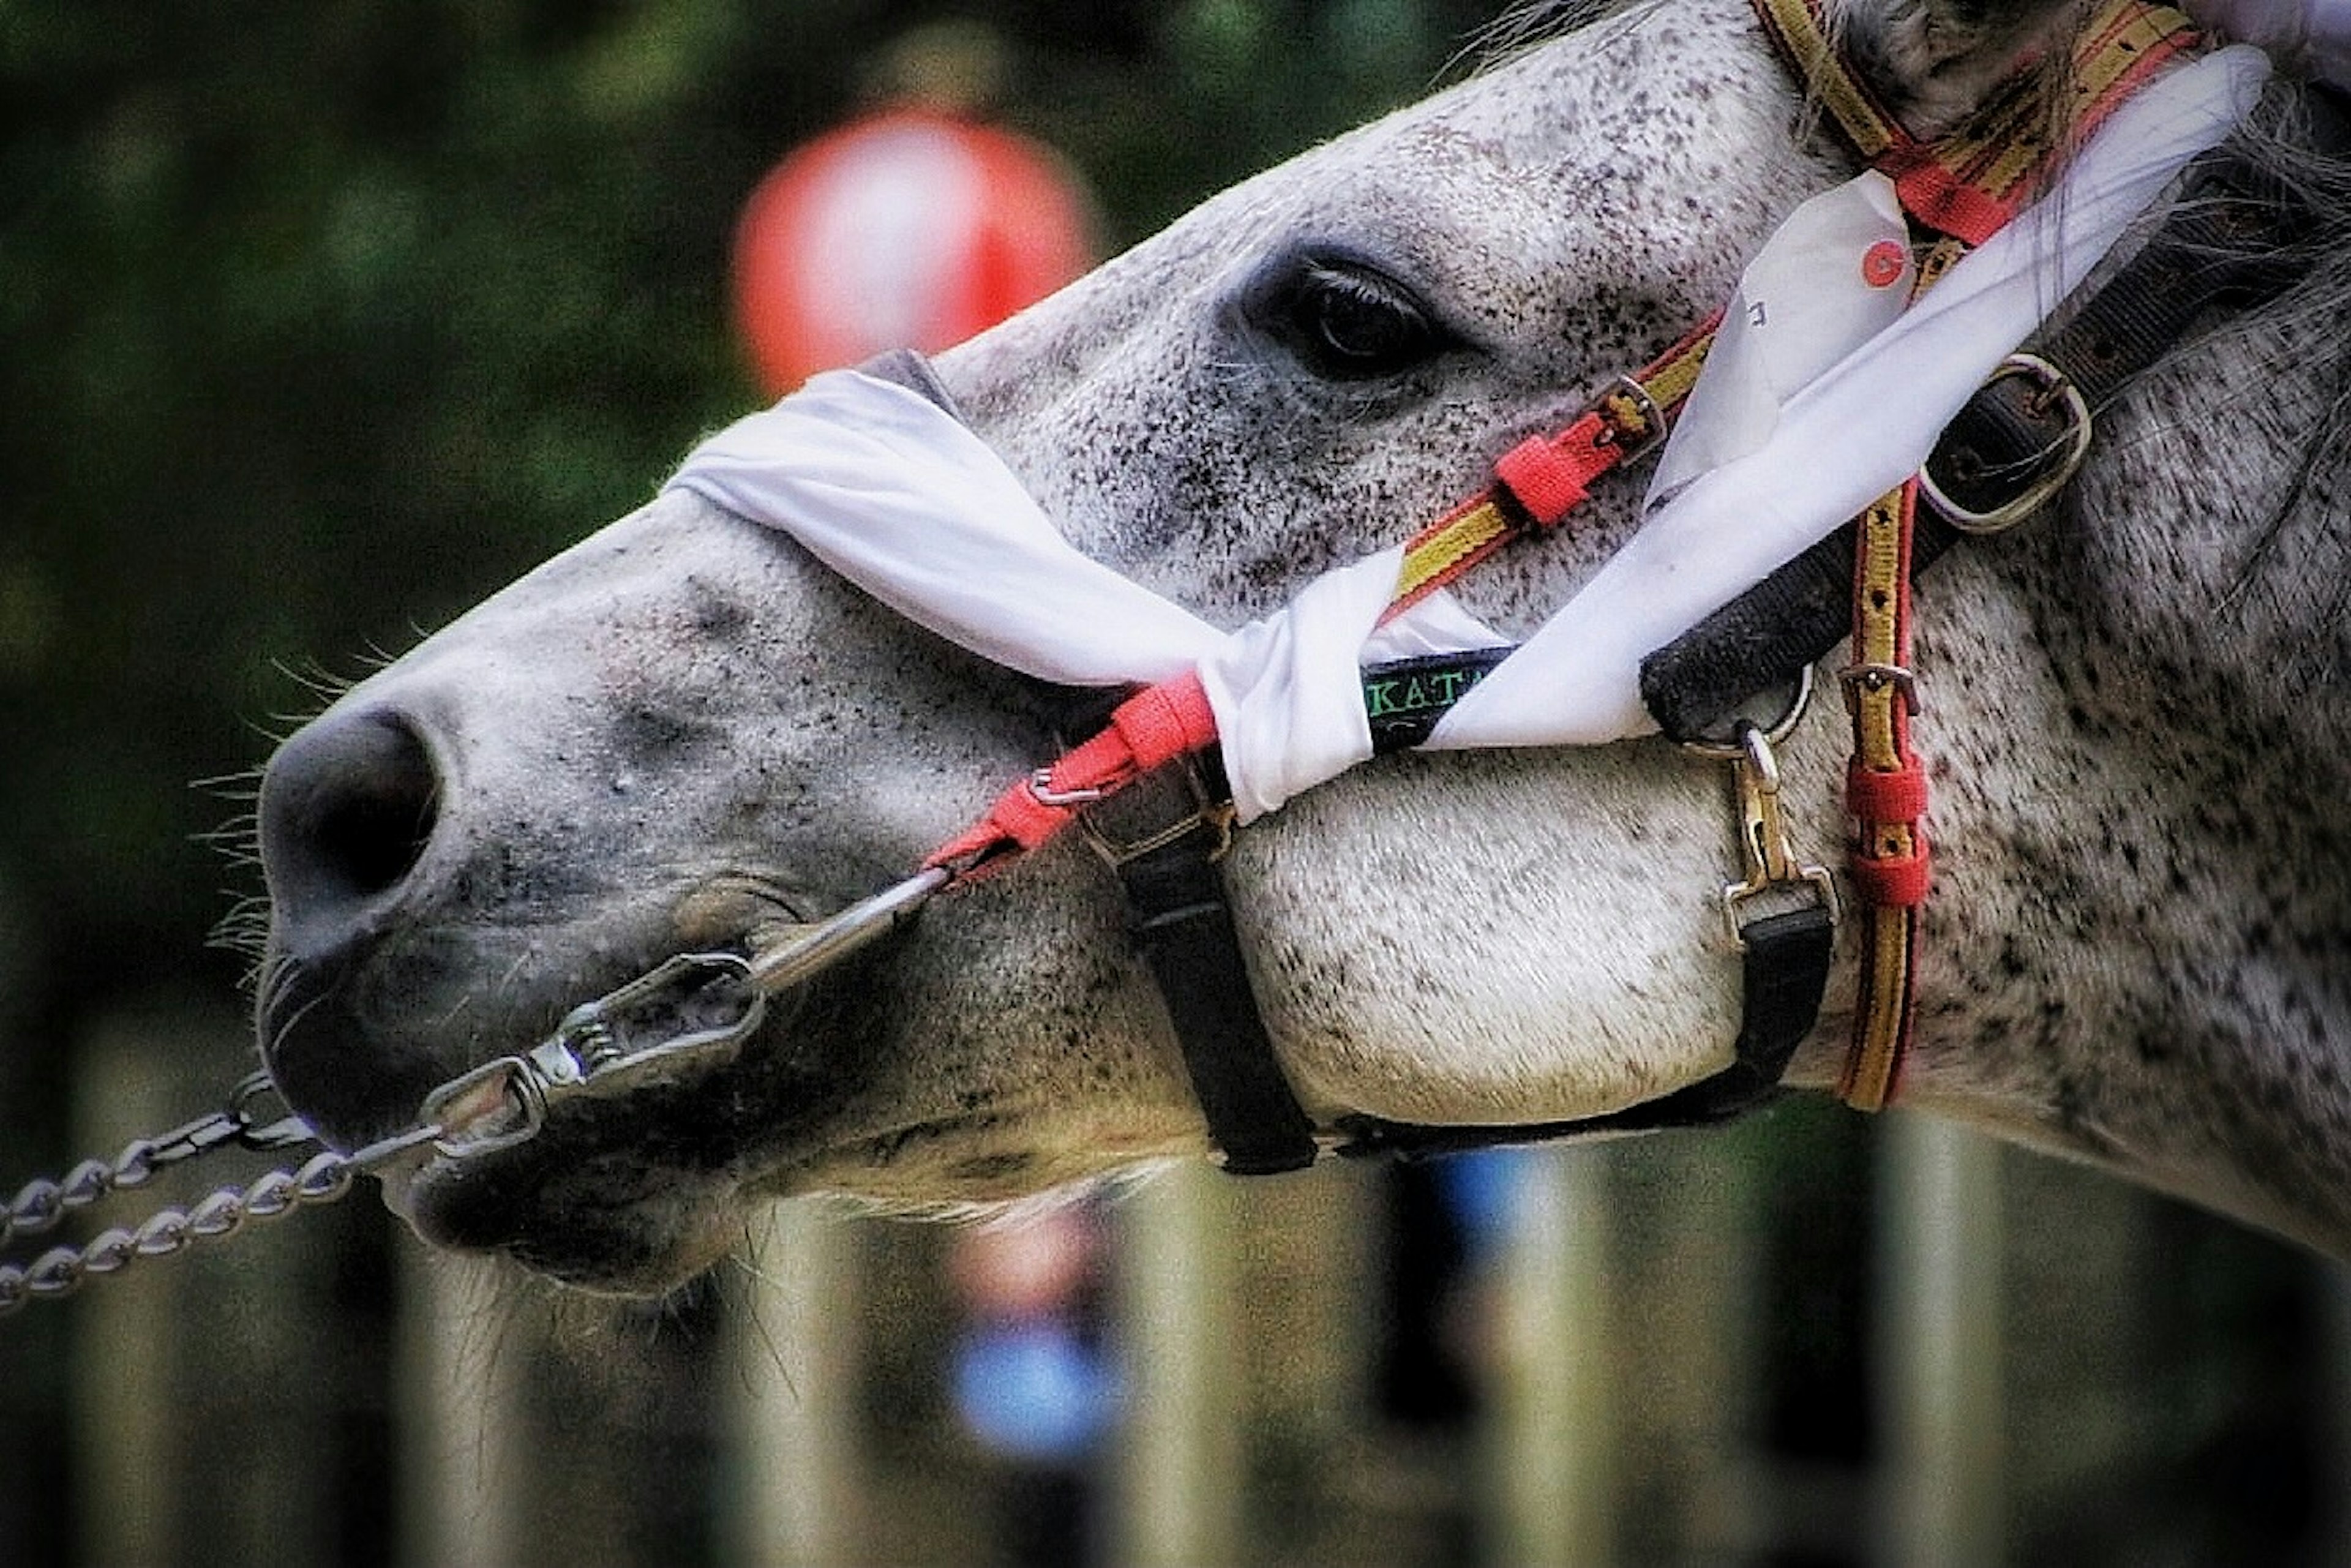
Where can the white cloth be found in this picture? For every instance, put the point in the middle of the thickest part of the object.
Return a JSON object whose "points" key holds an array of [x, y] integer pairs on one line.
{"points": [[898, 497], [1848, 437], [1813, 294]]}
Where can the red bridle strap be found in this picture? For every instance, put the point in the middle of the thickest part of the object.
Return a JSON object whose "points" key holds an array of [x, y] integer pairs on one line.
{"points": [[1536, 484], [1148, 730]]}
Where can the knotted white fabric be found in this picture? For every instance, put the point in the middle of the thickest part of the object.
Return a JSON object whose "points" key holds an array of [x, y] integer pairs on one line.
{"points": [[901, 498]]}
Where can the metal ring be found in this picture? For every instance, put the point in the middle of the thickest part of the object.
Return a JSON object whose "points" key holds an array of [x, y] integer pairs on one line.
{"points": [[2054, 385], [1777, 730]]}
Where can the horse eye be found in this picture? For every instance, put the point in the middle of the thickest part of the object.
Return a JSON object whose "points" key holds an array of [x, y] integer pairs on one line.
{"points": [[1346, 322]]}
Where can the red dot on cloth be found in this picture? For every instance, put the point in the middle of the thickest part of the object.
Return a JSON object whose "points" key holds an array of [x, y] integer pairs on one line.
{"points": [[1882, 263]]}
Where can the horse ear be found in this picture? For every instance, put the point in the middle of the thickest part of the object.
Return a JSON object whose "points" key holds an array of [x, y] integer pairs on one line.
{"points": [[1932, 61]]}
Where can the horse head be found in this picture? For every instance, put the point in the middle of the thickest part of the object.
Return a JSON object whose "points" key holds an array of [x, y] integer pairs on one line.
{"points": [[686, 733]]}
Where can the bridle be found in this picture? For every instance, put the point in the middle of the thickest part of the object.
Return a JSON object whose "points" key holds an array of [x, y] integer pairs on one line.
{"points": [[1146, 790], [2017, 444]]}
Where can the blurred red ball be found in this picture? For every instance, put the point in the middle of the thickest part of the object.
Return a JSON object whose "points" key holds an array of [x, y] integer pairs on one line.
{"points": [[912, 228]]}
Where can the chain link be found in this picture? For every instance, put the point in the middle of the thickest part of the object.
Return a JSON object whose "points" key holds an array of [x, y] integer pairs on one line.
{"points": [[42, 1205], [61, 1271], [696, 1006]]}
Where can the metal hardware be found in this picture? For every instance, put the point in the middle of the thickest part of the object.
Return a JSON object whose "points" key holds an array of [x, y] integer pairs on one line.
{"points": [[1800, 702], [325, 1178], [1770, 859], [1858, 678], [694, 1007], [815, 948], [1207, 812], [1040, 785], [1654, 423], [284, 1132], [2056, 388]]}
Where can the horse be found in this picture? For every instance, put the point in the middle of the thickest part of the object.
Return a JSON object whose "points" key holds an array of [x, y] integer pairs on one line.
{"points": [[688, 733]]}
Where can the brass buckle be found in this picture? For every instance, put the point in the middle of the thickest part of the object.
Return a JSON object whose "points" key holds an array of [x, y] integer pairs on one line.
{"points": [[2055, 386], [1763, 843], [1207, 813]]}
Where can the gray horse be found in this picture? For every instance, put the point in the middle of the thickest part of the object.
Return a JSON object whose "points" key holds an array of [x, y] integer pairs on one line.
{"points": [[686, 733]]}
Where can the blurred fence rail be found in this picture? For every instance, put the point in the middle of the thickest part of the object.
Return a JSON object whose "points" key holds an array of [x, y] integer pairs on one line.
{"points": [[1807, 1340]]}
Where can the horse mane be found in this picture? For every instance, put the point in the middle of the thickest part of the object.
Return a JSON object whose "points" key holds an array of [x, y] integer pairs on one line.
{"points": [[2279, 140], [1531, 23]]}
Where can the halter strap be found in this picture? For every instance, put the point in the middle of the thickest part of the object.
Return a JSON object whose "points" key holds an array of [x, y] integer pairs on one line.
{"points": [[1535, 486], [1970, 183], [1962, 188]]}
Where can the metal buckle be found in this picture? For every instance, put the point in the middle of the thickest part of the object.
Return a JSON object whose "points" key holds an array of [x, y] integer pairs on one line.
{"points": [[1207, 813], [1764, 840], [1653, 418], [1858, 678], [2055, 386]]}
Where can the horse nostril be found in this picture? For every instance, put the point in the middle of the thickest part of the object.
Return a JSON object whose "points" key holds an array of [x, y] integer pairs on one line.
{"points": [[347, 808]]}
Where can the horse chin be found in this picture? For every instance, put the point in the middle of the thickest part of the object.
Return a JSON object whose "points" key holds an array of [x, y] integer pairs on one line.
{"points": [[605, 1223]]}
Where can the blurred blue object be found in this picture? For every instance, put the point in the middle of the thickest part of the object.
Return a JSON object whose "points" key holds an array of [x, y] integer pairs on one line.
{"points": [[1478, 1191], [1034, 1391]]}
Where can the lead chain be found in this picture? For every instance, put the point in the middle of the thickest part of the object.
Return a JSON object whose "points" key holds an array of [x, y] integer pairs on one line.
{"points": [[41, 1205], [61, 1271]]}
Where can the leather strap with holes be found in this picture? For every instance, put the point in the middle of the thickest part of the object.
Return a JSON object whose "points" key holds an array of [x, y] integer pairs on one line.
{"points": [[1885, 793], [1538, 482], [1957, 190]]}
